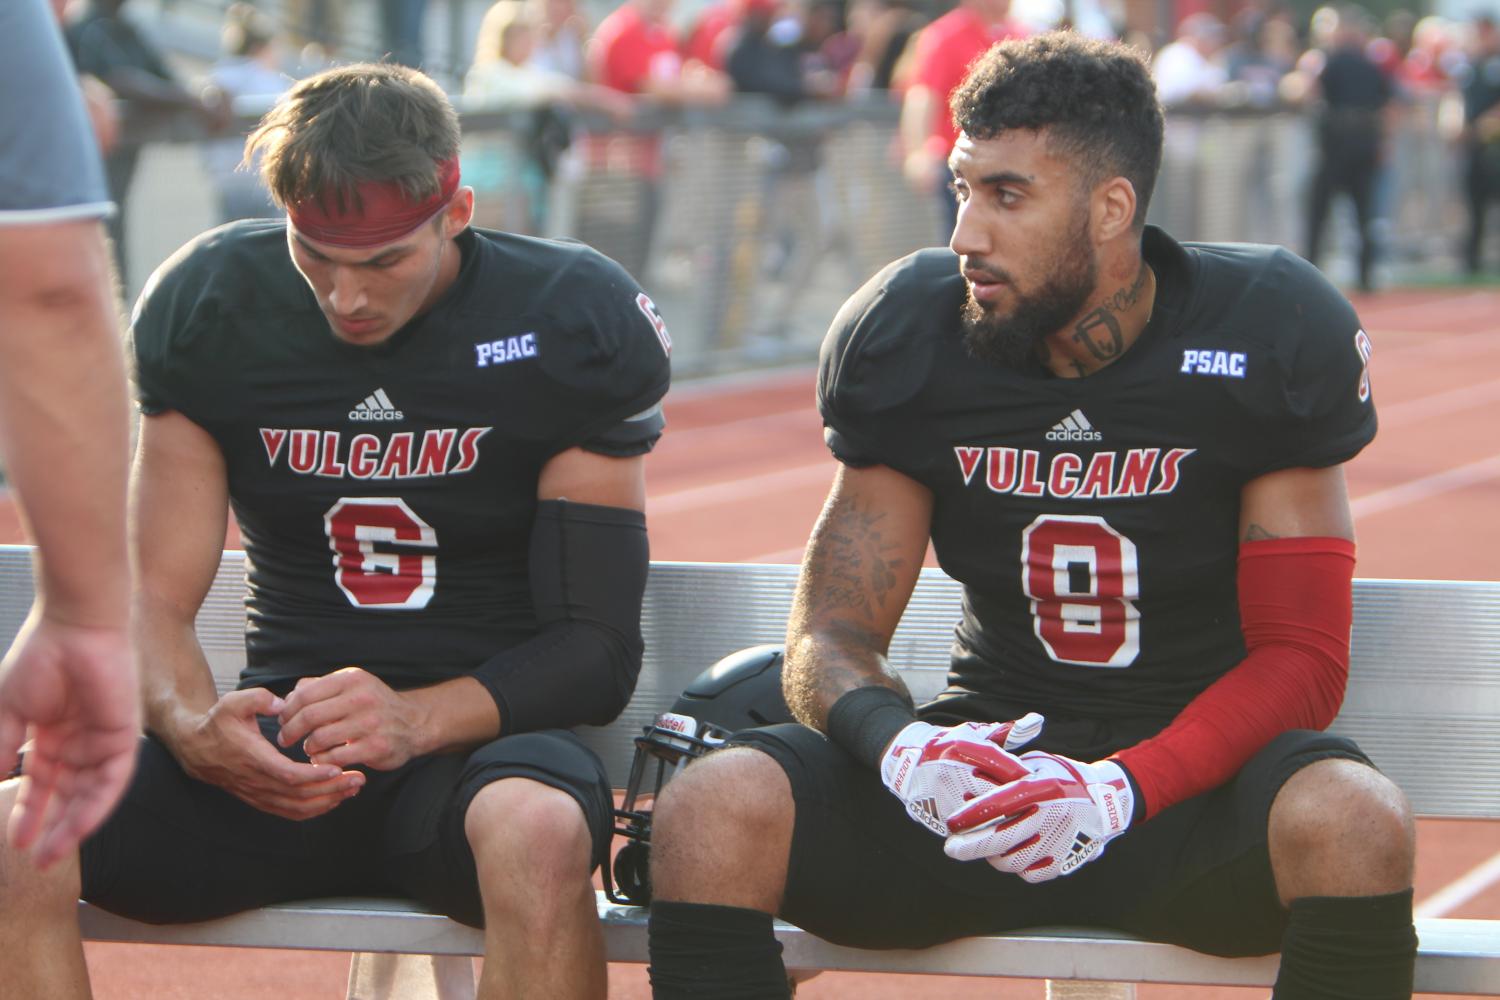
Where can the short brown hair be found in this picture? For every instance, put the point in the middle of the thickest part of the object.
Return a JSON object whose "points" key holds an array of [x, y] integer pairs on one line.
{"points": [[1096, 101], [365, 122]]}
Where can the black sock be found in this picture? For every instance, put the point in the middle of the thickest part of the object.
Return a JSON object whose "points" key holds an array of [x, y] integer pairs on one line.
{"points": [[722, 952], [1348, 948]]}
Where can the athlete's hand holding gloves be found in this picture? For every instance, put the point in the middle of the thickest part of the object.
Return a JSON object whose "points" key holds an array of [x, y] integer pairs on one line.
{"points": [[936, 770], [1037, 815]]}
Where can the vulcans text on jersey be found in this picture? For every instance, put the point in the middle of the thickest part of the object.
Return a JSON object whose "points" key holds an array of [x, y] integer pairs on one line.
{"points": [[1104, 475], [446, 451]]}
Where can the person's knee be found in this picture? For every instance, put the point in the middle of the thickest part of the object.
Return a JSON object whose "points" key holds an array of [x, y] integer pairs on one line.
{"points": [[1339, 827], [722, 831], [26, 889], [739, 788], [530, 831]]}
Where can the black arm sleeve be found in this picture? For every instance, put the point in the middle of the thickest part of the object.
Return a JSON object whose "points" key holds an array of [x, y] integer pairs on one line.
{"points": [[588, 577]]}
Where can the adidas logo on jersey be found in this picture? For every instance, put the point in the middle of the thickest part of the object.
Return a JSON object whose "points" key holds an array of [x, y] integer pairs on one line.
{"points": [[1074, 427], [377, 406]]}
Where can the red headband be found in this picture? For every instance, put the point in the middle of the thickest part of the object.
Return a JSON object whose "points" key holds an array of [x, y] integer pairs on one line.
{"points": [[383, 213]]}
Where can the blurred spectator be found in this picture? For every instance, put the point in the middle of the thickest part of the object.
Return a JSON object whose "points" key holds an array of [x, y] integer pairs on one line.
{"points": [[828, 45], [1433, 58], [1264, 52], [562, 35], [1481, 134], [98, 99], [401, 30], [885, 29], [710, 30], [105, 44], [1188, 69], [1390, 50], [792, 219], [250, 67], [634, 50], [942, 54], [505, 71], [1351, 135], [504, 75], [758, 62], [315, 27]]}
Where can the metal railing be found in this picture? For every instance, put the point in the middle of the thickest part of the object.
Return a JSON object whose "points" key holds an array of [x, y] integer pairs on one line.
{"points": [[750, 224]]}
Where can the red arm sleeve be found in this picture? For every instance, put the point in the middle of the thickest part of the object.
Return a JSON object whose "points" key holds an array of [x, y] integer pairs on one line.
{"points": [[1296, 609]]}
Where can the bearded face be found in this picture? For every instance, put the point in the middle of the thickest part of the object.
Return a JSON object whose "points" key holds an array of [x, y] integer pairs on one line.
{"points": [[1046, 298]]}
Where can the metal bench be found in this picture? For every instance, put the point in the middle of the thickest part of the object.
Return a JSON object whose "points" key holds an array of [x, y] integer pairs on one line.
{"points": [[1423, 701]]}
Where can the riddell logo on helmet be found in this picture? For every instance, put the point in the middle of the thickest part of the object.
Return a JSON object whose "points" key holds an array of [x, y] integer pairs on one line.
{"points": [[676, 723]]}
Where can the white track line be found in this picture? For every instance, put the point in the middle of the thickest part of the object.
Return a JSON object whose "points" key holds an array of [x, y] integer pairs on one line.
{"points": [[760, 423], [733, 490], [1462, 889], [1424, 308], [1438, 404], [1434, 345], [1417, 490], [754, 380]]}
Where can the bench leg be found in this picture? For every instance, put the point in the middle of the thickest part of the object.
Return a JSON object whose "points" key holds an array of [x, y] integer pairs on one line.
{"points": [[1059, 990], [383, 976]]}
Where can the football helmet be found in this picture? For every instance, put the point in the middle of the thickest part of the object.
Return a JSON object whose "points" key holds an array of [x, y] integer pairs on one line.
{"points": [[741, 691]]}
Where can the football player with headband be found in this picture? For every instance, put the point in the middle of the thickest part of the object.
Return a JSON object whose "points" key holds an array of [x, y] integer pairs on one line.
{"points": [[446, 553], [1156, 558]]}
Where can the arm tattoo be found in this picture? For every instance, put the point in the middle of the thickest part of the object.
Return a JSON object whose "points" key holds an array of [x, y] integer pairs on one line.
{"points": [[1255, 533], [846, 576], [846, 564]]}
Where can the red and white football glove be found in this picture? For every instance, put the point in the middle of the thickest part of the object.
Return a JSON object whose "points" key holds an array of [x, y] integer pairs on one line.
{"points": [[935, 770], [1048, 823]]}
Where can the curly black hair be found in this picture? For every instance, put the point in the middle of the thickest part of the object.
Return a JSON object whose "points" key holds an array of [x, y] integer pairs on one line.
{"points": [[1096, 101]]}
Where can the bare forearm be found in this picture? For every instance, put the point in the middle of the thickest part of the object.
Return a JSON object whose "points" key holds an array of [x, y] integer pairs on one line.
{"points": [[64, 430], [861, 563], [823, 666], [454, 715], [177, 683]]}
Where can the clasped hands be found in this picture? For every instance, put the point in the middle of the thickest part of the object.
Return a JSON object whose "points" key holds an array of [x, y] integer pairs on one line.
{"points": [[1037, 815], [345, 718]]}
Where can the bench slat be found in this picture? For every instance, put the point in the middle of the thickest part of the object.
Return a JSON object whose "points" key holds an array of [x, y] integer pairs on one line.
{"points": [[1458, 956]]}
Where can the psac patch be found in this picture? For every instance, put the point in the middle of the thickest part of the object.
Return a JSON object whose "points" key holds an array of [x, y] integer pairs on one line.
{"points": [[1230, 364], [498, 352]]}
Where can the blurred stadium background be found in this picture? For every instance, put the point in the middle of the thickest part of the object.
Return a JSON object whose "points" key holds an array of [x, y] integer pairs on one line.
{"points": [[762, 219]]}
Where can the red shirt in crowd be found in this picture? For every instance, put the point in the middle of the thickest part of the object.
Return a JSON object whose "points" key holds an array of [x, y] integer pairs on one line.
{"points": [[705, 41], [628, 50], [945, 49]]}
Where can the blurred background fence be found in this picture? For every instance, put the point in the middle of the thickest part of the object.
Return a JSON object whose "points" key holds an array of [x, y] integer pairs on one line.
{"points": [[750, 224]]}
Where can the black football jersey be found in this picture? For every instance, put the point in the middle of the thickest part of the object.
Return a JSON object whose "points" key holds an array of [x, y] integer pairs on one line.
{"points": [[1094, 522], [386, 494]]}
